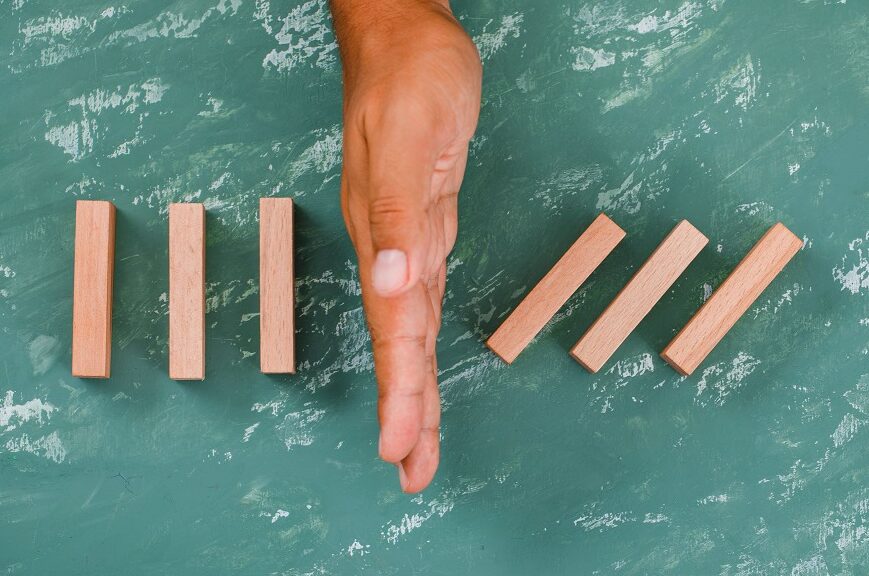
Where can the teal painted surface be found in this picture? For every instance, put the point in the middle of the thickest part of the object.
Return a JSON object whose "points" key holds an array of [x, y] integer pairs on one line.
{"points": [[733, 114]]}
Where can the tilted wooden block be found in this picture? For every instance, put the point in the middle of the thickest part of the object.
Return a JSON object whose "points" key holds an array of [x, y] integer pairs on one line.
{"points": [[277, 323], [730, 301], [92, 289], [639, 295], [186, 291], [550, 294]]}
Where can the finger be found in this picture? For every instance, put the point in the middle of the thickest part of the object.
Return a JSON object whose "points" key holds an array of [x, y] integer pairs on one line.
{"points": [[403, 148], [354, 185], [437, 253], [399, 331], [436, 296], [448, 205], [442, 280], [419, 467]]}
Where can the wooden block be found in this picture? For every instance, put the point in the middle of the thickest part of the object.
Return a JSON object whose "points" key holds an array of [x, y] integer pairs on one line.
{"points": [[637, 298], [186, 291], [92, 289], [277, 323], [730, 301], [550, 294]]}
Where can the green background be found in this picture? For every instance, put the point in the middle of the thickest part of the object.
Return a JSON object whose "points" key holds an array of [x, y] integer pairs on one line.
{"points": [[733, 114]]}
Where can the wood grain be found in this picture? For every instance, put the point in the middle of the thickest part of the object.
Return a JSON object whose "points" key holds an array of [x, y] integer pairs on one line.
{"points": [[730, 301], [550, 294], [277, 322], [186, 291], [92, 289], [639, 295]]}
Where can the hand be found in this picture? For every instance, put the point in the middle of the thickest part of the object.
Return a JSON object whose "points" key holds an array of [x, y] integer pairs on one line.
{"points": [[411, 102]]}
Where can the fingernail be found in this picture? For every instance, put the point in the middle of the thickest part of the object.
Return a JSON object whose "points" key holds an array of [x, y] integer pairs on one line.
{"points": [[402, 476], [390, 271]]}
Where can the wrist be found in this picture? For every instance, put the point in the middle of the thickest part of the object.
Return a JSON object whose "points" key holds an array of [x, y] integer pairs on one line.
{"points": [[366, 29]]}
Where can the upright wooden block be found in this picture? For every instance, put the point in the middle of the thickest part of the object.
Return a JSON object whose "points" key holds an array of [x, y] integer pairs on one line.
{"points": [[277, 318], [550, 294], [637, 298], [92, 289], [187, 291], [730, 301]]}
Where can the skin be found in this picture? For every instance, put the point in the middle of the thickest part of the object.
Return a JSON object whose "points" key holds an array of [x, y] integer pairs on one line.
{"points": [[412, 80]]}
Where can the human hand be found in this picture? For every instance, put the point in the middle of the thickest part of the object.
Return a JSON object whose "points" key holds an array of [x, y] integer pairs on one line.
{"points": [[412, 80]]}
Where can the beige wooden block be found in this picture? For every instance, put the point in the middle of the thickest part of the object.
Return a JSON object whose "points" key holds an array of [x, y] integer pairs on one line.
{"points": [[277, 322], [550, 294], [186, 291], [730, 301], [92, 289], [637, 298]]}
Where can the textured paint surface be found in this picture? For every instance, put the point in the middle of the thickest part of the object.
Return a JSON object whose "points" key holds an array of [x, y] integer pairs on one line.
{"points": [[732, 114]]}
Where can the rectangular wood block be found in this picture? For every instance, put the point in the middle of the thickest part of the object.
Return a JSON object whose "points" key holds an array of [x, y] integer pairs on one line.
{"points": [[92, 289], [186, 291], [550, 294], [730, 301], [277, 318], [639, 295]]}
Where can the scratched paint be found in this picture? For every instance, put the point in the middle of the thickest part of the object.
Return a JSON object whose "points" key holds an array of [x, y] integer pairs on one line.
{"points": [[732, 114]]}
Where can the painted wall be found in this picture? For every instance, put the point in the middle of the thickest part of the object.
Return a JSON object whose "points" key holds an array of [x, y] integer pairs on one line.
{"points": [[731, 113]]}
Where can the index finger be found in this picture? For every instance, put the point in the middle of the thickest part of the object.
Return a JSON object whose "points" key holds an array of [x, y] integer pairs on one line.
{"points": [[398, 327]]}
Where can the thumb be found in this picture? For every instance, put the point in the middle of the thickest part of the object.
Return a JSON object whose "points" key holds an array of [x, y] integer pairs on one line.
{"points": [[400, 172]]}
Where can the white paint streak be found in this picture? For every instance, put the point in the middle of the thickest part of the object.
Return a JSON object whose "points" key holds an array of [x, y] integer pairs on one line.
{"points": [[633, 367], [322, 157], [739, 84], [604, 521], [489, 43], [43, 351], [358, 549], [626, 197], [775, 304], [814, 566], [297, 427], [77, 137], [305, 36], [753, 208], [846, 430], [13, 415], [726, 377], [590, 59], [853, 274], [49, 447], [714, 499], [248, 432]]}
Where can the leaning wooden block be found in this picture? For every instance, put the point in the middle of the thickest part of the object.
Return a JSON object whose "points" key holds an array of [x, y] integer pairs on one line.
{"points": [[550, 294], [730, 301], [277, 325], [92, 289], [187, 291], [637, 298]]}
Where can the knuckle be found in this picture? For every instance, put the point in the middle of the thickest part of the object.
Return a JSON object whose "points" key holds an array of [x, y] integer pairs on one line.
{"points": [[382, 339], [387, 209], [384, 392]]}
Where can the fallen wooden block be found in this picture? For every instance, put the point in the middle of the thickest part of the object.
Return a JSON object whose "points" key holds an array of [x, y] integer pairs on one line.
{"points": [[186, 291], [730, 301], [639, 295], [277, 323], [550, 294], [92, 288]]}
